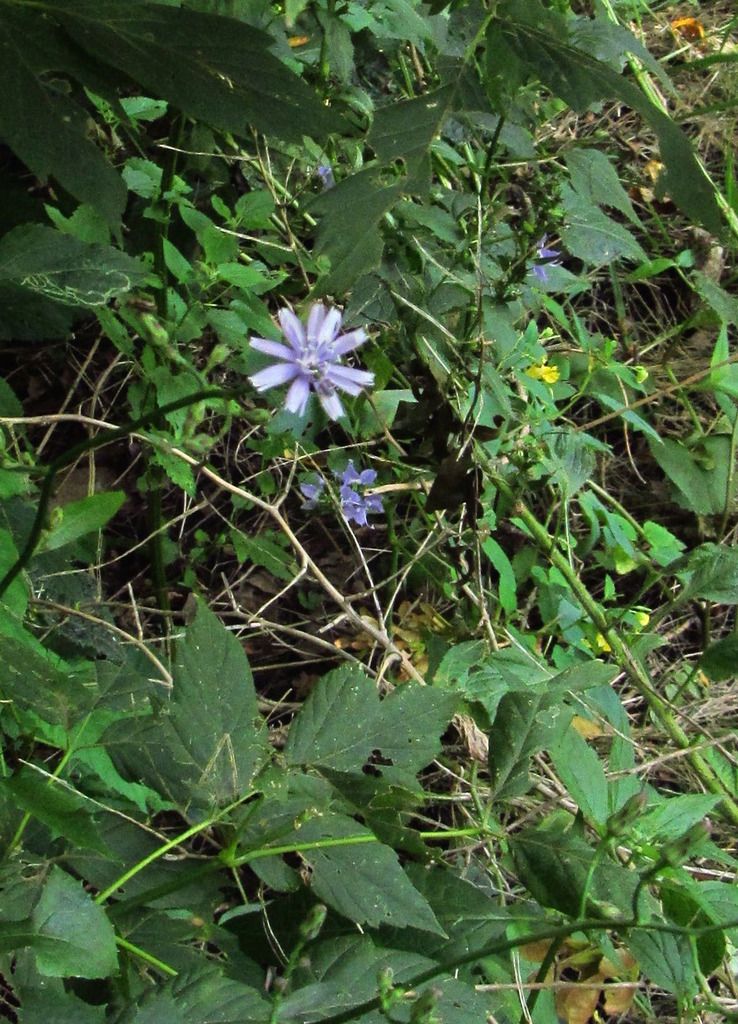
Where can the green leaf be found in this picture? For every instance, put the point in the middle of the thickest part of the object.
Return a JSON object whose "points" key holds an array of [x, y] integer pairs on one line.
{"points": [[364, 882], [50, 263], [555, 864], [594, 178], [199, 996], [214, 710], [79, 518], [593, 236], [39, 120], [673, 818], [74, 937], [344, 721], [39, 681], [216, 69], [700, 476], [66, 812], [665, 959], [52, 1005], [401, 136], [507, 585], [580, 770], [266, 553], [524, 724], [713, 570], [720, 660]]}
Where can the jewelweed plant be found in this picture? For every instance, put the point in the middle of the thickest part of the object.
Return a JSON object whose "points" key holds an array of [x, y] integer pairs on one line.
{"points": [[368, 416]]}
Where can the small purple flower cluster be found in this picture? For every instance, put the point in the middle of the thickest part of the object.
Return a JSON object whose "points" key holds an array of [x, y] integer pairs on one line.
{"points": [[311, 360], [354, 505]]}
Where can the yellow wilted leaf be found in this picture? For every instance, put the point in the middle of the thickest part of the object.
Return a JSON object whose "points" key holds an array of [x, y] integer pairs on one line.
{"points": [[298, 40], [576, 1005], [587, 729], [690, 28]]}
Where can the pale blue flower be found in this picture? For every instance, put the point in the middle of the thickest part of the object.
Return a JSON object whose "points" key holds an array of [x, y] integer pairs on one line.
{"points": [[543, 253], [325, 173], [311, 359], [313, 493], [354, 505]]}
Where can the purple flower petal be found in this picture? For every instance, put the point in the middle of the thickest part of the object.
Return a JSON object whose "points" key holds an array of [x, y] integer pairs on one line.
{"points": [[293, 330], [367, 476], [332, 405], [297, 396], [315, 320], [330, 327], [274, 375], [349, 341], [271, 348], [348, 379]]}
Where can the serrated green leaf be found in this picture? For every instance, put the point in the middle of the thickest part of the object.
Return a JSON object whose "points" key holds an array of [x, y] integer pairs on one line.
{"points": [[39, 681], [73, 935], [713, 570], [525, 35], [79, 518], [344, 721], [593, 236], [580, 770], [555, 864], [57, 266], [54, 1005], [673, 818], [214, 709], [199, 996], [217, 69], [665, 959], [364, 882], [65, 812], [525, 723], [594, 178]]}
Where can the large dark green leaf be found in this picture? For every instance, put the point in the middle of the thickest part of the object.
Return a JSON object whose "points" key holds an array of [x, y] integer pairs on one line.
{"points": [[362, 881], [344, 721], [216, 69], [41, 123], [39, 681], [555, 864], [525, 723], [205, 745], [202, 996]]}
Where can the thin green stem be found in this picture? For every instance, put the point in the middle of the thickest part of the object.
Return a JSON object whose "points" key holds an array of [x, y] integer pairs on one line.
{"points": [[629, 664], [148, 958]]}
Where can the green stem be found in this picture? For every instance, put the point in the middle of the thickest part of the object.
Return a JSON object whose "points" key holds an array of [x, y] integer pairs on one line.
{"points": [[629, 664], [148, 958]]}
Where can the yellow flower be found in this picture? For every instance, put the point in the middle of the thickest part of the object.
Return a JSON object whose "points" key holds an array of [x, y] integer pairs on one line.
{"points": [[540, 371], [601, 644]]}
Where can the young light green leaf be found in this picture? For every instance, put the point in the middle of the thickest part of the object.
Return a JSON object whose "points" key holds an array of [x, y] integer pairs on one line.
{"points": [[79, 518]]}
